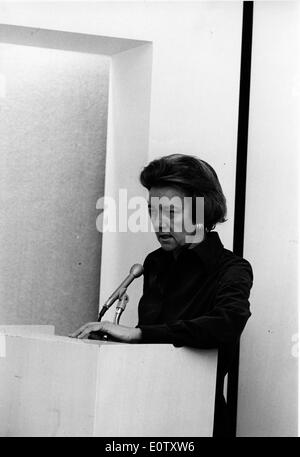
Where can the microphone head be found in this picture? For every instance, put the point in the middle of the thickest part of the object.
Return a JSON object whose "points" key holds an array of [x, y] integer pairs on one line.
{"points": [[136, 270]]}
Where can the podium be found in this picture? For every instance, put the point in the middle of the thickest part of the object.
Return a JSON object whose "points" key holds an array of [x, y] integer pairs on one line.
{"points": [[53, 385]]}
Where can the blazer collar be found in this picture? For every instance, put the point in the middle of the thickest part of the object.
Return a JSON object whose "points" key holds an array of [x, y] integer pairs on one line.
{"points": [[209, 250]]}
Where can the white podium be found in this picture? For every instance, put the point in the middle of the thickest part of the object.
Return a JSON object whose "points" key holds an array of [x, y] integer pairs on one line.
{"points": [[57, 386]]}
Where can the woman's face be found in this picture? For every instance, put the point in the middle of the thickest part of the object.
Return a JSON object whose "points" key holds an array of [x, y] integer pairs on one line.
{"points": [[171, 216]]}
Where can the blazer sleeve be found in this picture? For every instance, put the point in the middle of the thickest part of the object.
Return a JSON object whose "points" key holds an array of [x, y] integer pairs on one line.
{"points": [[224, 323]]}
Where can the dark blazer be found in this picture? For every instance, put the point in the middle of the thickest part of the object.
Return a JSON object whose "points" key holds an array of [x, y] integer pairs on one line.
{"points": [[199, 299]]}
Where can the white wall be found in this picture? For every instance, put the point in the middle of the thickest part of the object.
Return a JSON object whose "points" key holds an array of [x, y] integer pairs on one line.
{"points": [[195, 71], [268, 366], [127, 152], [53, 141], [194, 91]]}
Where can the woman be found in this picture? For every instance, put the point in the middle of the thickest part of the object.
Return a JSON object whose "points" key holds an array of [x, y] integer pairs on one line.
{"points": [[195, 291]]}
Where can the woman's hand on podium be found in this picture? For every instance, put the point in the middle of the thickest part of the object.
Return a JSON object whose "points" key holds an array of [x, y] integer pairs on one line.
{"points": [[118, 332]]}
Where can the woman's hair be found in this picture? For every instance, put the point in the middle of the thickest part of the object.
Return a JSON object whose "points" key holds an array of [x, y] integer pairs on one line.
{"points": [[193, 176]]}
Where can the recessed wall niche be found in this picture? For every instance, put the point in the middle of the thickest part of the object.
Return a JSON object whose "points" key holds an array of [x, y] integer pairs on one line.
{"points": [[53, 149]]}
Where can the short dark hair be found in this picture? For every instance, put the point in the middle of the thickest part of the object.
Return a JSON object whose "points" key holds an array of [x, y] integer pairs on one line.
{"points": [[193, 176]]}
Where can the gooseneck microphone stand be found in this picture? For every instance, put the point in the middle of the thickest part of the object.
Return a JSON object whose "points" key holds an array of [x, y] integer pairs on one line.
{"points": [[119, 294], [120, 308], [121, 305]]}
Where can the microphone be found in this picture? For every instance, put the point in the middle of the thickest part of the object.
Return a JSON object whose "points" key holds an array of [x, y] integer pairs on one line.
{"points": [[135, 272]]}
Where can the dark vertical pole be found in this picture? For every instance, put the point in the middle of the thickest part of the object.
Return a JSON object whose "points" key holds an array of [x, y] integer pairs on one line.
{"points": [[240, 185]]}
